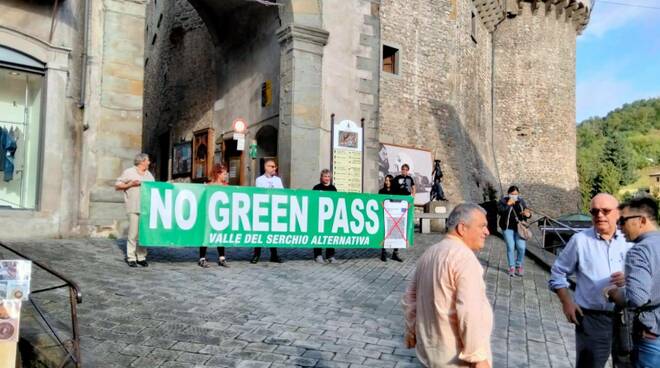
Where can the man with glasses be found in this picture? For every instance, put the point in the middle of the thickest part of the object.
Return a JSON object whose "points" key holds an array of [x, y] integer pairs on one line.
{"points": [[596, 257], [639, 223], [268, 180]]}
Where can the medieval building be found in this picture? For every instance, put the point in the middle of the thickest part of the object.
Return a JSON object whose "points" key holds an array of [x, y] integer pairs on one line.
{"points": [[485, 86]]}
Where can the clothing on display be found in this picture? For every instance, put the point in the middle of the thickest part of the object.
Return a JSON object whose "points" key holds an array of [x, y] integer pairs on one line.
{"points": [[8, 145]]}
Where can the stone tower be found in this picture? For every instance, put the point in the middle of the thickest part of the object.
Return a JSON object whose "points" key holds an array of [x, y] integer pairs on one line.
{"points": [[534, 109]]}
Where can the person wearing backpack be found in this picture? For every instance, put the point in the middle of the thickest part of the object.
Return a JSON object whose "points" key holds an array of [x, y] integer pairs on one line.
{"points": [[513, 210]]}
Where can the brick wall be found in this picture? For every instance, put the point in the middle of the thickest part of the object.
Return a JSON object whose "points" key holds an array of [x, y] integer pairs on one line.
{"points": [[535, 109], [440, 99]]}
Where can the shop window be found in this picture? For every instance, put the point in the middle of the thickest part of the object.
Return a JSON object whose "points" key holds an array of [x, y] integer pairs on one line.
{"points": [[390, 60], [20, 134]]}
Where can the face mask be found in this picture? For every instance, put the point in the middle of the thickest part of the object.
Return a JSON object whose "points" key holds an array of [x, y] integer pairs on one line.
{"points": [[513, 196]]}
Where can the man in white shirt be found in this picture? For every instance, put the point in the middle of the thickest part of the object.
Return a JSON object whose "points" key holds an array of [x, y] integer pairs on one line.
{"points": [[129, 182], [271, 181]]}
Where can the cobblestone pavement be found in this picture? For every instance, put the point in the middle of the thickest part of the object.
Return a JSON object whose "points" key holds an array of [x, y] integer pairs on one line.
{"points": [[175, 314]]}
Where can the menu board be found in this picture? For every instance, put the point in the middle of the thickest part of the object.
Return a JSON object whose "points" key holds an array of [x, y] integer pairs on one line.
{"points": [[347, 156]]}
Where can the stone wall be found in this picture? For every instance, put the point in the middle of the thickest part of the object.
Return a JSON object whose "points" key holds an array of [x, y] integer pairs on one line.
{"points": [[180, 75], [351, 62], [113, 111], [535, 107], [440, 99]]}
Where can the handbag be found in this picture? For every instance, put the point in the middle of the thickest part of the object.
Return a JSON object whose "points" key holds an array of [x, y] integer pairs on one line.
{"points": [[522, 227], [624, 330], [523, 230]]}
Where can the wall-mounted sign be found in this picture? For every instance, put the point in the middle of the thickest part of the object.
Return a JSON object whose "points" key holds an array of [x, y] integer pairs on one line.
{"points": [[347, 156], [266, 93]]}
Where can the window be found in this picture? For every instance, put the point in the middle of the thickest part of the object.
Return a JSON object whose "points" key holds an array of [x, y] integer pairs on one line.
{"points": [[390, 60], [473, 27], [20, 130]]}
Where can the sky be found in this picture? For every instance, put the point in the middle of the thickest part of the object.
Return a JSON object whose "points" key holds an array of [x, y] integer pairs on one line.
{"points": [[618, 56]]}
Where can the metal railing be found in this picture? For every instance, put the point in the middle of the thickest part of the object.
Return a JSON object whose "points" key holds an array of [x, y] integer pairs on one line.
{"points": [[547, 224], [70, 346]]}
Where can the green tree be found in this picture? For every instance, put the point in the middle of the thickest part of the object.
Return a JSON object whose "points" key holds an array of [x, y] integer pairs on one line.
{"points": [[620, 154], [607, 180]]}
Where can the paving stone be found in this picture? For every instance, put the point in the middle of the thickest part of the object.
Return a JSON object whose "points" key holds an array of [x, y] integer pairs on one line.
{"points": [[330, 364], [378, 363], [252, 364], [271, 357], [303, 362], [193, 358], [188, 346], [290, 350]]}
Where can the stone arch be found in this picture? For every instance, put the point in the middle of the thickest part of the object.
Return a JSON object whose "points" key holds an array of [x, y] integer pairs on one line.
{"points": [[300, 12]]}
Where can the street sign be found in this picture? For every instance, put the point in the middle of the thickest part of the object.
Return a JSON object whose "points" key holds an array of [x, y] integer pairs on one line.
{"points": [[239, 125]]}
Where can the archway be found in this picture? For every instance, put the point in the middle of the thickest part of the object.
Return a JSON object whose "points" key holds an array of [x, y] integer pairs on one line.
{"points": [[251, 48]]}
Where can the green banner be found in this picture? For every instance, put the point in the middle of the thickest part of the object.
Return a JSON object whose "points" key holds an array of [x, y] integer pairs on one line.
{"points": [[193, 215]]}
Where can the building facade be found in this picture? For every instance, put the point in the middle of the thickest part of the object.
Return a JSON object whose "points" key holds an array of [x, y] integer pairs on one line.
{"points": [[485, 86]]}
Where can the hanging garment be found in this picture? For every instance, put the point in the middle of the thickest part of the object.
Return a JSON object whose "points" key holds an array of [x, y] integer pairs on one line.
{"points": [[8, 146], [3, 152]]}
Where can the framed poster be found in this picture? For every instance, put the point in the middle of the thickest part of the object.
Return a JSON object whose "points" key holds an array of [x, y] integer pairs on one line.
{"points": [[203, 147], [181, 159], [391, 157]]}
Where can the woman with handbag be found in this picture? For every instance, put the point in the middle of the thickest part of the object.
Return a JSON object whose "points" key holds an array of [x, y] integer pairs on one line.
{"points": [[514, 213]]}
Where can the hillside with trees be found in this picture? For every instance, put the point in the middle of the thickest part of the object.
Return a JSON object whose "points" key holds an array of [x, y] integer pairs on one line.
{"points": [[615, 149]]}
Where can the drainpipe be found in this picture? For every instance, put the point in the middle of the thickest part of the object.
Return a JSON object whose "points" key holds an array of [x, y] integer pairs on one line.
{"points": [[84, 57], [492, 98]]}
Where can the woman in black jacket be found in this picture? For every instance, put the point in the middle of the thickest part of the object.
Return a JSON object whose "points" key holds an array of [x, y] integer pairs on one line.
{"points": [[513, 209], [388, 189]]}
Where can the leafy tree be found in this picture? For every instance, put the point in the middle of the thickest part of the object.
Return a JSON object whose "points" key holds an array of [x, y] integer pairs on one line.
{"points": [[619, 153], [608, 180]]}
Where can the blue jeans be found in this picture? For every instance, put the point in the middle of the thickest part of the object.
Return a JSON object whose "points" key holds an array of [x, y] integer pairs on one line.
{"points": [[514, 243], [647, 353]]}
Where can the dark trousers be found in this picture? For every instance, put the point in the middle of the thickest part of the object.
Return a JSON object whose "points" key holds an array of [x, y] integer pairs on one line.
{"points": [[329, 252], [273, 252], [383, 252], [202, 252], [595, 341]]}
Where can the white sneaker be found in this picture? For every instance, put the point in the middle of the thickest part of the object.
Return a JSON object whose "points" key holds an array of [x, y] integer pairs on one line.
{"points": [[319, 259], [332, 260]]}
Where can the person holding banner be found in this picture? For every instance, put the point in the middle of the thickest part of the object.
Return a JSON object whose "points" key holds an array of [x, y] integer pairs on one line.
{"points": [[129, 182], [387, 185], [219, 175], [448, 318], [325, 185], [388, 188], [268, 180]]}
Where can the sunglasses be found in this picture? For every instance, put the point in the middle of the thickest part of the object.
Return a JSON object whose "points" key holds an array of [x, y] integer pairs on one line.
{"points": [[622, 220], [595, 211]]}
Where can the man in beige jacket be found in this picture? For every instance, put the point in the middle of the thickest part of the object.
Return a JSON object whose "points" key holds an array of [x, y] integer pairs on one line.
{"points": [[129, 182], [448, 317]]}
